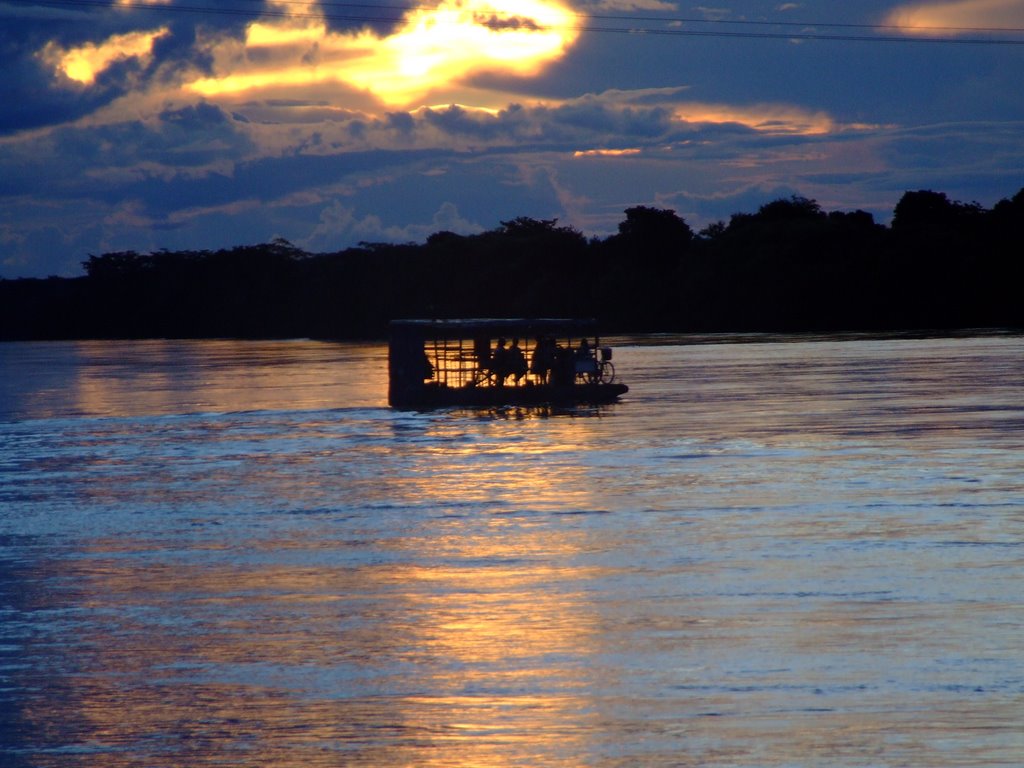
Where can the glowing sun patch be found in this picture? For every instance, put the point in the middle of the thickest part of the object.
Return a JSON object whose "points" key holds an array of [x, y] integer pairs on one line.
{"points": [[429, 49], [84, 63], [606, 152], [957, 16]]}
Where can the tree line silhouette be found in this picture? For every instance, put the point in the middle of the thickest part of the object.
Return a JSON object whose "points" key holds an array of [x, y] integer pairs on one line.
{"points": [[789, 267]]}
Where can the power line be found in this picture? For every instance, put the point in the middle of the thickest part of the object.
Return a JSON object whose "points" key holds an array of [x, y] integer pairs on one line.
{"points": [[394, 14], [808, 24], [810, 36]]}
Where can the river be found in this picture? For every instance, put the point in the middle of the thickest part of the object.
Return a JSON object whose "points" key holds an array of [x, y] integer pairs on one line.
{"points": [[772, 552]]}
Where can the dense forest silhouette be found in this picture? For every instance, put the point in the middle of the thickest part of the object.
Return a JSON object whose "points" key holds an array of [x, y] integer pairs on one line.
{"points": [[789, 267]]}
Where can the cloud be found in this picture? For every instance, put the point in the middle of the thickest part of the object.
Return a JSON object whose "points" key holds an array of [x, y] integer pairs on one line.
{"points": [[607, 152], [713, 13], [429, 55], [765, 118], [430, 50], [194, 162], [339, 223], [82, 64], [965, 16], [577, 168]]}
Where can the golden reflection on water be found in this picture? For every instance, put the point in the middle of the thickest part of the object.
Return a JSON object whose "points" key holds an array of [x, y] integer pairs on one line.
{"points": [[126, 378], [467, 645], [476, 645]]}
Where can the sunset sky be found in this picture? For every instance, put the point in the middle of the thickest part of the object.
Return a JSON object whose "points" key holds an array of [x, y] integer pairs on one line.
{"points": [[148, 124]]}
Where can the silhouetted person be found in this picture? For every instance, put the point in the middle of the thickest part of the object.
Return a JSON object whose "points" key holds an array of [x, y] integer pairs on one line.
{"points": [[586, 365], [543, 358], [583, 353], [500, 362], [484, 358], [516, 361], [563, 368]]}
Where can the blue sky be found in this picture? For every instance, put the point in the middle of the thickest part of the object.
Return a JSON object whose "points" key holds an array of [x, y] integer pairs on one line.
{"points": [[138, 125]]}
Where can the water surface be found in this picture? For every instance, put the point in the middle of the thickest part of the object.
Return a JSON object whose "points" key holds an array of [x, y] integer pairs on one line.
{"points": [[790, 553]]}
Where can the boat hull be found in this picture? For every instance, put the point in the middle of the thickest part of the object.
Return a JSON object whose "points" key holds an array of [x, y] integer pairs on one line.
{"points": [[440, 396]]}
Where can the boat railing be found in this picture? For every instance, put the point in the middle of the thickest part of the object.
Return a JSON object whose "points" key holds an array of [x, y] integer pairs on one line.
{"points": [[500, 354], [465, 362]]}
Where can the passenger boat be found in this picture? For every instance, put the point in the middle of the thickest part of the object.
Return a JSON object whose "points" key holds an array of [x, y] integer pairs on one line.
{"points": [[490, 362]]}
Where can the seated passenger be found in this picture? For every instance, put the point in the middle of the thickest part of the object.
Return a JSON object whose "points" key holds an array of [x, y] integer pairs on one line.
{"points": [[563, 370], [583, 352], [515, 361], [586, 364], [543, 358], [499, 364]]}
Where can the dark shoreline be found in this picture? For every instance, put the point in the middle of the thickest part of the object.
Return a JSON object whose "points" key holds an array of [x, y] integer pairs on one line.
{"points": [[941, 267]]}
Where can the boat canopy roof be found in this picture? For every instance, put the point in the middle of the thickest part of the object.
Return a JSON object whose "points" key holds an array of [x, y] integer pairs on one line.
{"points": [[508, 326]]}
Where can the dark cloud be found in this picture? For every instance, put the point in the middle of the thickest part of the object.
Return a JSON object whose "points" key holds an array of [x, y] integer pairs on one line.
{"points": [[35, 96], [628, 124], [500, 23], [402, 122], [29, 101], [456, 193], [202, 117], [567, 127], [357, 130], [380, 21], [457, 121], [26, 92], [957, 146]]}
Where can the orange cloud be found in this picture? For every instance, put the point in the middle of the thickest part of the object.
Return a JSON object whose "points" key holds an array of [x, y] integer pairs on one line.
{"points": [[431, 49], [84, 63], [766, 118], [937, 17], [605, 152]]}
